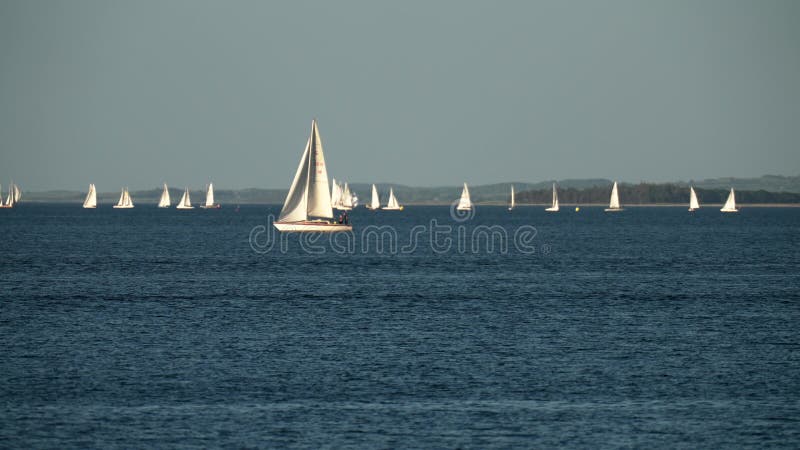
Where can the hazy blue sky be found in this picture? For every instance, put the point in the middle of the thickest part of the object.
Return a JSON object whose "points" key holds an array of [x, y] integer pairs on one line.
{"points": [[422, 93]]}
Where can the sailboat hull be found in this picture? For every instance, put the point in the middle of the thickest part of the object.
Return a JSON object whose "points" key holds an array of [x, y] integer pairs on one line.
{"points": [[89, 207], [729, 210], [122, 206], [184, 207], [613, 209], [551, 209], [217, 206], [464, 208], [311, 226], [391, 208]]}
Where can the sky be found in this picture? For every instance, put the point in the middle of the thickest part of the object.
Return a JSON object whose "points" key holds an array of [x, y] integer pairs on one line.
{"points": [[423, 93]]}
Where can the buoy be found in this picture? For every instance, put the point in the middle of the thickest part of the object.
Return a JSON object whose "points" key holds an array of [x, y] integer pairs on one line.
{"points": [[577, 209]]}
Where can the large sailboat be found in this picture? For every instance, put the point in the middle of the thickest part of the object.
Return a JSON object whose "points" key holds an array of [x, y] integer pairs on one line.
{"points": [[309, 196], [694, 205], [125, 201], [13, 197], [464, 203], [613, 205], [512, 202], [185, 202], [375, 201], [209, 204], [554, 207], [730, 204], [393, 205], [164, 201], [91, 198]]}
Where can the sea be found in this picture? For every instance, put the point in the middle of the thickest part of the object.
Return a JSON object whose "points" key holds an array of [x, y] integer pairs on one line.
{"points": [[651, 327]]}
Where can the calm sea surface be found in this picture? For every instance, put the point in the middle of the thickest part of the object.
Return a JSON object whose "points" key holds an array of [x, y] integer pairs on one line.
{"points": [[162, 328]]}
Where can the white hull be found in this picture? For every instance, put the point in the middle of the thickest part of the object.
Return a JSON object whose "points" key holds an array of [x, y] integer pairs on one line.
{"points": [[122, 206], [729, 210], [91, 207], [551, 209], [614, 209], [311, 226], [184, 207], [391, 208], [217, 206], [464, 208]]}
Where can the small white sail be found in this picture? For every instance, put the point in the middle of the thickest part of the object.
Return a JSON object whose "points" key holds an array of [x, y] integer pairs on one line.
{"points": [[464, 203], [554, 207], [1, 197], [375, 201], [309, 195], [512, 203], [613, 205], [164, 201], [185, 202], [91, 198], [393, 205], [336, 194], [693, 203], [730, 204], [17, 193], [209, 204]]}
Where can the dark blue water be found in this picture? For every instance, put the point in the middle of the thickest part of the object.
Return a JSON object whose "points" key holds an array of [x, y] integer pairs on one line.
{"points": [[648, 328]]}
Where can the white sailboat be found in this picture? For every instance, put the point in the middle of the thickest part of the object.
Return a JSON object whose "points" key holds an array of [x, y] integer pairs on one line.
{"points": [[185, 202], [13, 197], [464, 203], [210, 198], [554, 207], [91, 198], [393, 205], [512, 203], [336, 194], [346, 202], [309, 196], [730, 204], [694, 205], [613, 205], [375, 201], [164, 201], [125, 201]]}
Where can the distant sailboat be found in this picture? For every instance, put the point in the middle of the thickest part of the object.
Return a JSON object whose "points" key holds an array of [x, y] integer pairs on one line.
{"points": [[336, 194], [308, 195], [730, 204], [185, 201], [613, 205], [393, 205], [13, 197], [512, 203], [346, 202], [91, 198], [694, 205], [125, 201], [554, 208], [375, 201], [464, 203], [164, 201], [210, 198]]}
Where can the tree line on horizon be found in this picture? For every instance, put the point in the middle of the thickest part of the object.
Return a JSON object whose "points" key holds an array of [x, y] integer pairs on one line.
{"points": [[645, 193]]}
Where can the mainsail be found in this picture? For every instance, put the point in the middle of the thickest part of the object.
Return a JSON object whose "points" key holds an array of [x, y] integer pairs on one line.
{"points": [[164, 201], [464, 203], [693, 203], [375, 202], [91, 197], [309, 195], [730, 204], [554, 206], [613, 205]]}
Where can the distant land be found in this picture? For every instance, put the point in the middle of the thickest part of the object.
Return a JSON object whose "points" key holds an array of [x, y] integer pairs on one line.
{"points": [[761, 190]]}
